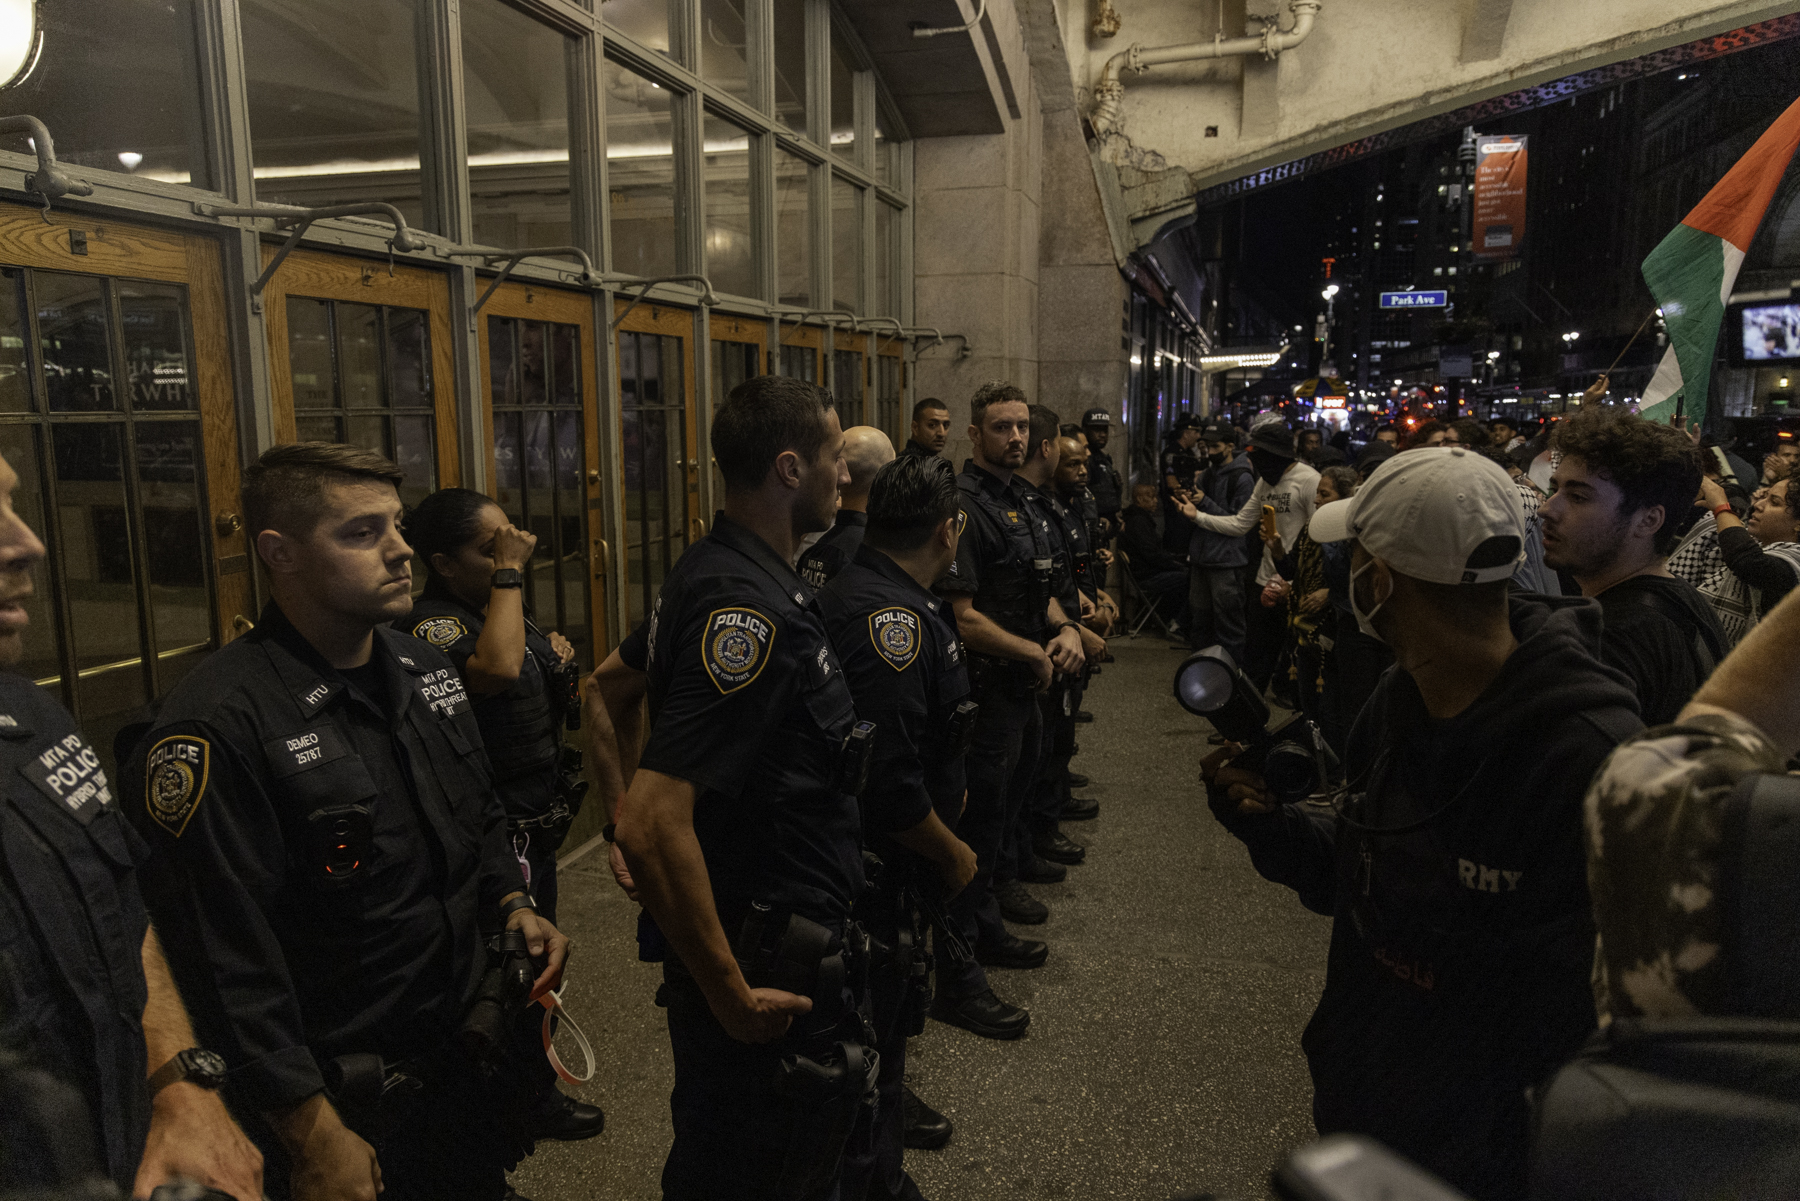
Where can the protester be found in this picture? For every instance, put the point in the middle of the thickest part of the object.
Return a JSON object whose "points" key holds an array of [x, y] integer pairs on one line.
{"points": [[1160, 575], [1461, 941], [1310, 615], [930, 430], [1430, 433], [1621, 485], [1779, 463], [1216, 560], [1284, 488], [1387, 433], [1466, 431], [1373, 456], [1504, 433], [1760, 558]]}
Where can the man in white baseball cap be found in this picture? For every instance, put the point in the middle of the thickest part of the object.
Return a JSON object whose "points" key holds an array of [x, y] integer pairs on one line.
{"points": [[1452, 862]]}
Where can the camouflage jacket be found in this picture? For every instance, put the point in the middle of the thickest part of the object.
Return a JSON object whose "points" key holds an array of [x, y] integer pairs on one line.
{"points": [[1653, 837]]}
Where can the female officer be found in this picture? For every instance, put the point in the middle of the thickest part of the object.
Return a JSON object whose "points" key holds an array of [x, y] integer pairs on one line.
{"points": [[473, 610]]}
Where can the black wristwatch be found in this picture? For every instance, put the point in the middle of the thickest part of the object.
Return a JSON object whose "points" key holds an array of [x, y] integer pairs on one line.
{"points": [[510, 907], [507, 577], [196, 1064]]}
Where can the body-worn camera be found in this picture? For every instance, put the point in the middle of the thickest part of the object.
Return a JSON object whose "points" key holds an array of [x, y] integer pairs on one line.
{"points": [[1291, 756], [564, 683], [505, 989]]}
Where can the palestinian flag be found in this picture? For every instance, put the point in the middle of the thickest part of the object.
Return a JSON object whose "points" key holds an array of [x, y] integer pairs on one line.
{"points": [[1692, 272]]}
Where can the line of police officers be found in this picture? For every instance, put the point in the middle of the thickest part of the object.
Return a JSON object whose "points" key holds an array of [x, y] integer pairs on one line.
{"points": [[332, 833], [803, 819]]}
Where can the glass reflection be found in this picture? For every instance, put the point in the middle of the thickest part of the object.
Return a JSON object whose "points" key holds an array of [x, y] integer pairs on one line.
{"points": [[843, 99], [846, 245], [640, 162], [72, 330], [15, 366], [153, 319], [724, 47], [730, 246], [790, 63], [793, 231], [516, 88]]}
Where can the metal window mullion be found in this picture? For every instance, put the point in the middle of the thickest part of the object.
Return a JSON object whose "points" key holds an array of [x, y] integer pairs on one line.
{"points": [[589, 208], [763, 223], [45, 448], [684, 34], [690, 175], [818, 73], [139, 565], [863, 121], [759, 17]]}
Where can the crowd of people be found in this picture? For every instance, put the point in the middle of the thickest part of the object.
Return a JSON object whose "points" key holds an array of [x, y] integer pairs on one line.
{"points": [[298, 949]]}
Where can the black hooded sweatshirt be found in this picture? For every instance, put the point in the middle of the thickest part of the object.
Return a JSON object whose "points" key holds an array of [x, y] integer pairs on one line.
{"points": [[1463, 940]]}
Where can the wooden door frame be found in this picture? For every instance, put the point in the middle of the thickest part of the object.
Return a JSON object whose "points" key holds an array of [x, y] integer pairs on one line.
{"points": [[538, 302], [893, 348], [810, 336], [321, 275], [849, 340], [675, 323], [118, 249]]}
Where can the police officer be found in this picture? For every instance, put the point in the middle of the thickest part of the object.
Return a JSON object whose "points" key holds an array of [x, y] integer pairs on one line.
{"points": [[85, 993], [1073, 504], [1176, 472], [1018, 636], [327, 850], [905, 667], [866, 451], [1103, 477], [930, 428], [523, 683], [741, 829]]}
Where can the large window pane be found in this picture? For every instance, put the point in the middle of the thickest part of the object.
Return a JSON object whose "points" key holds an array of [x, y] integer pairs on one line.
{"points": [[516, 84], [846, 246], [334, 101], [15, 383], [790, 63], [154, 319], [887, 151], [730, 258], [646, 21], [72, 324], [640, 160], [724, 46], [793, 245], [843, 98], [118, 83], [886, 227]]}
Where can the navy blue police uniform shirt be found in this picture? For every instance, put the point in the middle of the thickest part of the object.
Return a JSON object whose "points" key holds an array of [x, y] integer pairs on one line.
{"points": [[252, 760], [749, 705], [1054, 531], [1071, 515], [72, 922], [520, 725], [904, 661], [836, 547], [994, 555]]}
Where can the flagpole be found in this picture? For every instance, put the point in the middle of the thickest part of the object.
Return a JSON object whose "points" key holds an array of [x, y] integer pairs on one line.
{"points": [[1630, 341]]}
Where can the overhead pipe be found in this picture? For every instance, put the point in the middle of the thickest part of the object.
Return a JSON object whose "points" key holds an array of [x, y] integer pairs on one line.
{"points": [[1109, 92], [404, 240], [921, 30], [708, 299], [512, 258], [49, 181]]}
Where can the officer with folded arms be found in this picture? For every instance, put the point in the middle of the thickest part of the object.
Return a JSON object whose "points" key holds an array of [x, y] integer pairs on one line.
{"points": [[523, 684], [81, 964], [906, 670], [741, 831], [1018, 637], [328, 853]]}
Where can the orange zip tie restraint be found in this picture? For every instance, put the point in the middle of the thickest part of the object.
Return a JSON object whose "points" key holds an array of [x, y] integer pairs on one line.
{"points": [[551, 1000]]}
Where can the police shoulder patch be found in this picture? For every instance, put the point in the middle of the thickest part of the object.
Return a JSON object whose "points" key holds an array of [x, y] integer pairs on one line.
{"points": [[735, 647], [440, 631], [895, 633], [175, 774]]}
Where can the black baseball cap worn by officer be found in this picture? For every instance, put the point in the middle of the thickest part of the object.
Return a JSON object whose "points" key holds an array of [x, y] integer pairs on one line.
{"points": [[1096, 417], [1188, 421]]}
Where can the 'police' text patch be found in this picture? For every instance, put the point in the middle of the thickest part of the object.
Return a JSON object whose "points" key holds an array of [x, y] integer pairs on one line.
{"points": [[69, 773], [895, 633], [175, 774], [440, 631], [735, 647]]}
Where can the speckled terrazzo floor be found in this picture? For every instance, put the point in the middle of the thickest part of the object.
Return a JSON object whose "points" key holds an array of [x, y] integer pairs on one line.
{"points": [[1163, 1053]]}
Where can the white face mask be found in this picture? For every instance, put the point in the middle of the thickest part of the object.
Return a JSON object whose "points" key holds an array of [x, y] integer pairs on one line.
{"points": [[1365, 621]]}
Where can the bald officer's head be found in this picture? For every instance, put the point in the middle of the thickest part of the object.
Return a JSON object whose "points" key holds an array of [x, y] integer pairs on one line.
{"points": [[866, 451]]}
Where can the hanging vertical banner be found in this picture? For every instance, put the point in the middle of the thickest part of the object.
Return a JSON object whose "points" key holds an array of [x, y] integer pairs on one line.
{"points": [[1499, 226]]}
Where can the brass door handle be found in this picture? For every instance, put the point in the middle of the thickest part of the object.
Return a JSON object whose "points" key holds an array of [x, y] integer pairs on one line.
{"points": [[228, 524], [602, 560], [594, 476], [696, 529], [241, 624]]}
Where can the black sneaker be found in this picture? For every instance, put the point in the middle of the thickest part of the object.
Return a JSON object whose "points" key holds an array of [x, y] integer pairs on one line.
{"points": [[1017, 905], [983, 1014]]}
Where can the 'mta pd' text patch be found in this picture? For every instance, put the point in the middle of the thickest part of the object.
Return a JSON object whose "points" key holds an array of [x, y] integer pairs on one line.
{"points": [[895, 633], [735, 646], [175, 774]]}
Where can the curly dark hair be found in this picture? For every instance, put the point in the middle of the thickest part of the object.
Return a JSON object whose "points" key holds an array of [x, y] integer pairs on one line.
{"points": [[1650, 464]]}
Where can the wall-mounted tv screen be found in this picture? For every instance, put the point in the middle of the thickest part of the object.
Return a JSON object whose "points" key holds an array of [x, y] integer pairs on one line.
{"points": [[1768, 334]]}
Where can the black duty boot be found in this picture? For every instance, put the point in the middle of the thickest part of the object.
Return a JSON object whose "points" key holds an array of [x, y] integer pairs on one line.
{"points": [[983, 1014], [1079, 809], [1010, 950], [560, 1117], [1038, 870], [1058, 847], [921, 1127], [1017, 905]]}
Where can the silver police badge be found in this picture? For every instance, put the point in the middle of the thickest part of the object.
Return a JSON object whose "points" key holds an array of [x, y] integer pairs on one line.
{"points": [[735, 647], [895, 633], [175, 773], [440, 631]]}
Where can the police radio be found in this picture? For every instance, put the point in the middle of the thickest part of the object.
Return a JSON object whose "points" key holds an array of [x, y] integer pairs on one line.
{"points": [[959, 729], [852, 774]]}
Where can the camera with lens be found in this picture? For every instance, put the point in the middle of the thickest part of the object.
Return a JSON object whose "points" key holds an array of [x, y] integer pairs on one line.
{"points": [[1290, 755], [505, 989]]}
